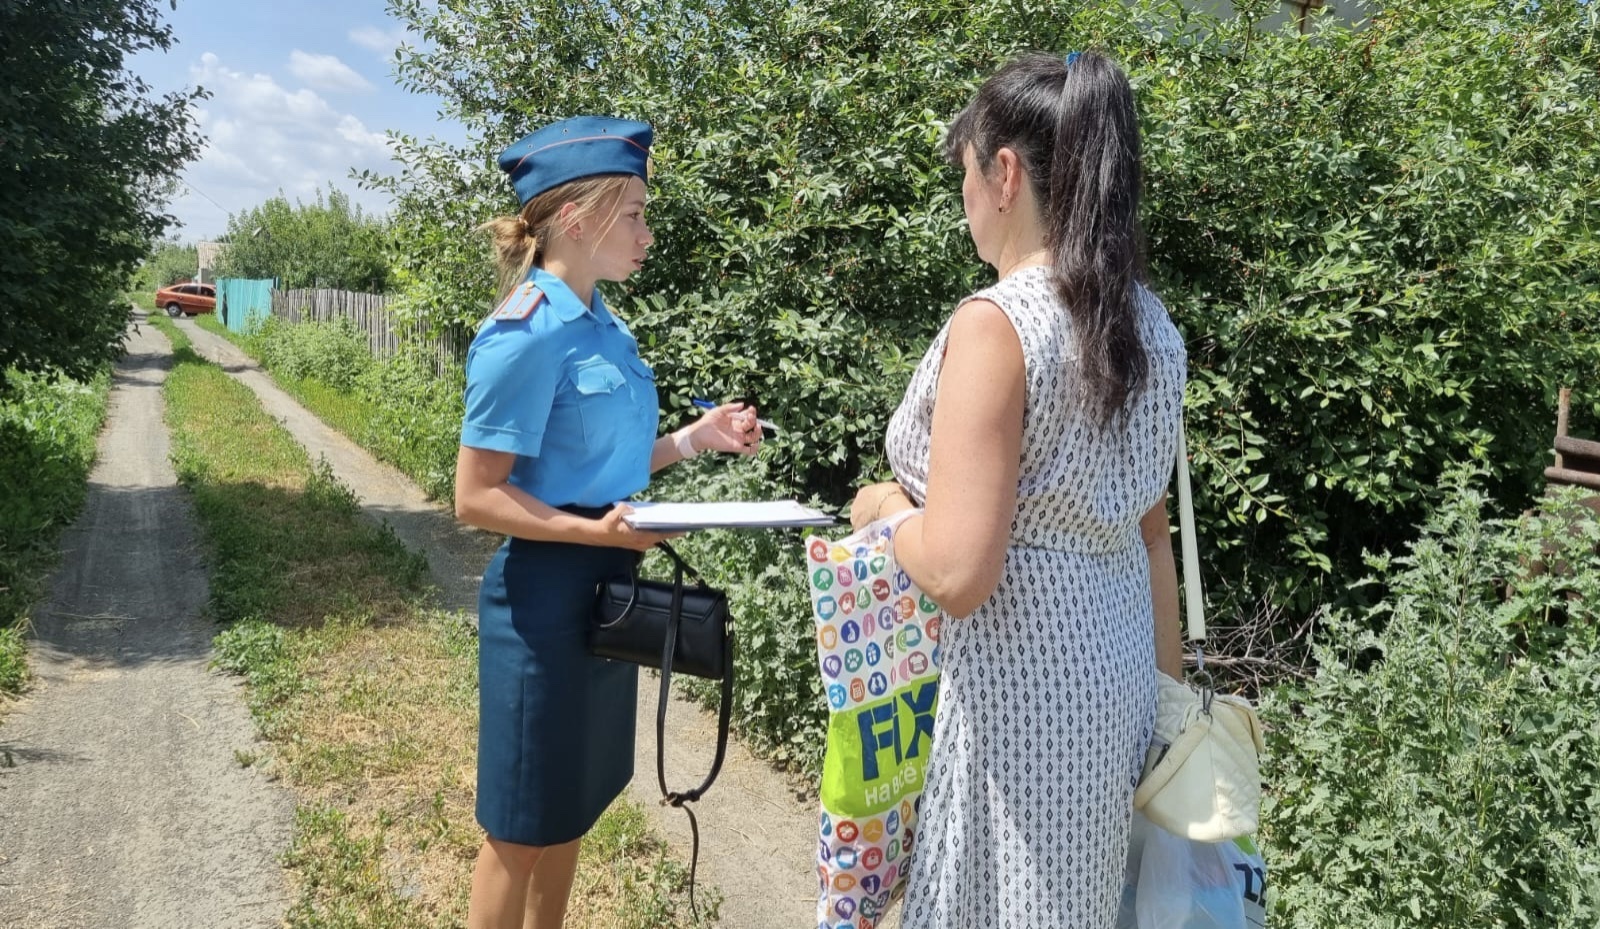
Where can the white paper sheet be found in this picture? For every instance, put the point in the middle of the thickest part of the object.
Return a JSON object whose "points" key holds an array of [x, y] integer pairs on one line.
{"points": [[763, 514]]}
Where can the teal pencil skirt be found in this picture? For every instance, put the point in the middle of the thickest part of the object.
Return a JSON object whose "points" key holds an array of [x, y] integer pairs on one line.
{"points": [[555, 724]]}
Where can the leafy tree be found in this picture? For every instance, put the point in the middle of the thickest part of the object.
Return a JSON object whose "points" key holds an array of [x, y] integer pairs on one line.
{"points": [[85, 150], [169, 263], [326, 243], [1379, 242]]}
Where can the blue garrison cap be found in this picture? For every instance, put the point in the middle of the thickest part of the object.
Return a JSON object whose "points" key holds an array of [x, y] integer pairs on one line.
{"points": [[581, 146]]}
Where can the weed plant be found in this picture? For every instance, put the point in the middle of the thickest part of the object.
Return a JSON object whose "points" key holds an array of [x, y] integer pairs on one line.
{"points": [[47, 446], [1443, 767]]}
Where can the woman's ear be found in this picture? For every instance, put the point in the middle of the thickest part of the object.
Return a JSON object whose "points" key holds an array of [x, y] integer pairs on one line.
{"points": [[1009, 167], [569, 222]]}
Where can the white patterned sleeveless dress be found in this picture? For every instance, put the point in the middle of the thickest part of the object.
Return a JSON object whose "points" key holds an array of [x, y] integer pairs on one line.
{"points": [[1048, 690]]}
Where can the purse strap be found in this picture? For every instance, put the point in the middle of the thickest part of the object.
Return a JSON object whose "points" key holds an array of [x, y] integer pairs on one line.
{"points": [[675, 798], [1194, 600]]}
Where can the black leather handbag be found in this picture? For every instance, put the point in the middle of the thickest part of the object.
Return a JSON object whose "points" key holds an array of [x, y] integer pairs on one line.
{"points": [[634, 619], [675, 629]]}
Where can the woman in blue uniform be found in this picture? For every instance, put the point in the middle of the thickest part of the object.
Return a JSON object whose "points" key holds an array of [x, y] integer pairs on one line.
{"points": [[560, 424]]}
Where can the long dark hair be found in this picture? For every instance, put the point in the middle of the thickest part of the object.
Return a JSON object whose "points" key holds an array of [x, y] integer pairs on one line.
{"points": [[1075, 130]]}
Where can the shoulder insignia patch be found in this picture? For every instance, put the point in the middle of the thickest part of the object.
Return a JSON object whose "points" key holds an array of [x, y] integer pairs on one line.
{"points": [[519, 304]]}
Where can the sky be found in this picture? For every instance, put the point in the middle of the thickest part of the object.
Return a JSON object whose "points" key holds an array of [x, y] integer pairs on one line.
{"points": [[302, 93]]}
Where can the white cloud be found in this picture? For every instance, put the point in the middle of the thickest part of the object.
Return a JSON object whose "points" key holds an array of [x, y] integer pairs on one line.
{"points": [[325, 72], [381, 41], [262, 138]]}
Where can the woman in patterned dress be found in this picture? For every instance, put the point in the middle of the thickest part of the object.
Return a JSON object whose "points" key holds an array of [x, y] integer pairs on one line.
{"points": [[1038, 435]]}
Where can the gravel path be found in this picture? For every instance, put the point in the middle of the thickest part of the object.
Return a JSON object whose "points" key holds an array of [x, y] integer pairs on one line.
{"points": [[757, 841], [122, 803]]}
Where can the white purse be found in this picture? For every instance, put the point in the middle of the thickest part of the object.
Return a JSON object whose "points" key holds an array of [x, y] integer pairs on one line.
{"points": [[1201, 775]]}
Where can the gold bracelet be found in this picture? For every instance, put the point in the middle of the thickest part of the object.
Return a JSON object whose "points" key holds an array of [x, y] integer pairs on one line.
{"points": [[877, 511]]}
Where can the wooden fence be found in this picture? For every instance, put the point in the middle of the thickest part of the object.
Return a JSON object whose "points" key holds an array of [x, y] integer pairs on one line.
{"points": [[369, 313]]}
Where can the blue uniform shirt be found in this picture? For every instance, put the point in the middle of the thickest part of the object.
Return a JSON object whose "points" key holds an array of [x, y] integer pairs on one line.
{"points": [[566, 391]]}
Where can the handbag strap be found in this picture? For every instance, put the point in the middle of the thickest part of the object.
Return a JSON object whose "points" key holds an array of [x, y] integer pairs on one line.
{"points": [[1194, 600], [675, 798]]}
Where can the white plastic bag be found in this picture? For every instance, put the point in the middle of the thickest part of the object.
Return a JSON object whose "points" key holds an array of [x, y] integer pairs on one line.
{"points": [[1178, 883]]}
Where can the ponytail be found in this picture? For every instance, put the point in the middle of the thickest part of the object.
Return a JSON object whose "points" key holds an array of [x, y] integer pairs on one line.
{"points": [[1072, 124], [517, 248], [1092, 228]]}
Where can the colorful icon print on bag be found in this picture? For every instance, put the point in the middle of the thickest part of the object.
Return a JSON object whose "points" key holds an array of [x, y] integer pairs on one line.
{"points": [[862, 603]]}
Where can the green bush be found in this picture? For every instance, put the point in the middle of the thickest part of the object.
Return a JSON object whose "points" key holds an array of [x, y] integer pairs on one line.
{"points": [[334, 353], [417, 418], [1380, 244], [778, 705], [1445, 771], [48, 429]]}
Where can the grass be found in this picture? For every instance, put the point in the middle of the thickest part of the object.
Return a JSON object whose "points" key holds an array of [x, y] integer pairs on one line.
{"points": [[404, 431], [210, 323], [48, 431], [367, 697]]}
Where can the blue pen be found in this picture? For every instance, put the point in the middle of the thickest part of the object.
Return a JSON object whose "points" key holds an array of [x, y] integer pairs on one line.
{"points": [[708, 405]]}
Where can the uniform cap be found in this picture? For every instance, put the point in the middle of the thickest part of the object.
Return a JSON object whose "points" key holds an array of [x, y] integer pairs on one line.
{"points": [[582, 146]]}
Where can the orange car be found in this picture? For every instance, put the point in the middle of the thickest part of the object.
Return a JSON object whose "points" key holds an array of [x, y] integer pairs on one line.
{"points": [[187, 299]]}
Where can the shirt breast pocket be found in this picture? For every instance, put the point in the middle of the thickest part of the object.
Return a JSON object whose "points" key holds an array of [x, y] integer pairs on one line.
{"points": [[605, 401]]}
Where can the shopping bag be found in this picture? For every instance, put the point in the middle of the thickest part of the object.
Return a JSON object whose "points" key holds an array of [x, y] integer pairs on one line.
{"points": [[1178, 883], [878, 652]]}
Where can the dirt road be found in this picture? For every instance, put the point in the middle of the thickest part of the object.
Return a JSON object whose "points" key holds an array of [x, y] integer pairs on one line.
{"points": [[122, 803], [757, 841]]}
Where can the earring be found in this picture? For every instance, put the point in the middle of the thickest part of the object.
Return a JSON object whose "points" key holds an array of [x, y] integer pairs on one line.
{"points": [[1002, 209]]}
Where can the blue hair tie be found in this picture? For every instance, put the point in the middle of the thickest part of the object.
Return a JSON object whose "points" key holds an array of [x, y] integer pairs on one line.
{"points": [[1071, 57]]}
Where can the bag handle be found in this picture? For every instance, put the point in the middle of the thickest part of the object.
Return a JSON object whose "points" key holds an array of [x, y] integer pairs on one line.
{"points": [[674, 798], [1193, 599]]}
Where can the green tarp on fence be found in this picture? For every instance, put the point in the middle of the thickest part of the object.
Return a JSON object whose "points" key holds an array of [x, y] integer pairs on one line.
{"points": [[243, 305]]}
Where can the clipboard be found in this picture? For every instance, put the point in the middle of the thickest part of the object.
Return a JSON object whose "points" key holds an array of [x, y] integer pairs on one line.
{"points": [[733, 514]]}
